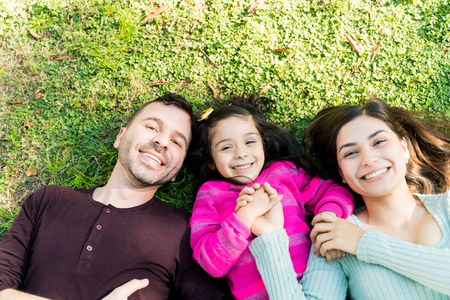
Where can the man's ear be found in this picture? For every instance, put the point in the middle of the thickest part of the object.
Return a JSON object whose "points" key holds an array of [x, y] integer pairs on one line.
{"points": [[119, 137], [211, 165]]}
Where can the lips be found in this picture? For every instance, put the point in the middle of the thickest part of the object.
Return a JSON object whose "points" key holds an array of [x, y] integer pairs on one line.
{"points": [[152, 157], [242, 167], [375, 174]]}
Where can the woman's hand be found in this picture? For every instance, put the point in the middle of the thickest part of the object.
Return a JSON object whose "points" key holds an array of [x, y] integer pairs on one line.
{"points": [[127, 289], [331, 232]]}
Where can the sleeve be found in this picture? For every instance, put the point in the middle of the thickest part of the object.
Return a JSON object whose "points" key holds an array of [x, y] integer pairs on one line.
{"points": [[325, 195], [16, 245], [429, 266], [192, 282], [217, 243], [320, 281]]}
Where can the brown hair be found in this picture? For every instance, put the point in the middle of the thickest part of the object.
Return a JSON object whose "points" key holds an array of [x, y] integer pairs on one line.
{"points": [[428, 169]]}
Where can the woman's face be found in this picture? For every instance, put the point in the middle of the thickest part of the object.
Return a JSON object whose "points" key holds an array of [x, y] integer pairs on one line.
{"points": [[371, 157]]}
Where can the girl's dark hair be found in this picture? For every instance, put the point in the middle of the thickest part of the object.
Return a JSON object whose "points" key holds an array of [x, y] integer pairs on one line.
{"points": [[278, 144], [428, 169]]}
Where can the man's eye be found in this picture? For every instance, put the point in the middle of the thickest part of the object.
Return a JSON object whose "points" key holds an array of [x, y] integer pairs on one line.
{"points": [[176, 143]]}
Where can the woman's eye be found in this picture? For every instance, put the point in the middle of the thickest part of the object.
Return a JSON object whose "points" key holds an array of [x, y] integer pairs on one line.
{"points": [[349, 153], [377, 142]]}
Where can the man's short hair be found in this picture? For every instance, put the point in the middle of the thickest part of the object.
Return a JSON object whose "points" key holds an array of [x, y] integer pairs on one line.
{"points": [[169, 99]]}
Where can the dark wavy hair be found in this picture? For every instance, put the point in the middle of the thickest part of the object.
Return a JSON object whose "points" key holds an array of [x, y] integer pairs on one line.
{"points": [[428, 169], [278, 144], [169, 99]]}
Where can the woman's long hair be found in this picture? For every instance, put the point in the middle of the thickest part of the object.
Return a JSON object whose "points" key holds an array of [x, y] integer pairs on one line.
{"points": [[428, 169]]}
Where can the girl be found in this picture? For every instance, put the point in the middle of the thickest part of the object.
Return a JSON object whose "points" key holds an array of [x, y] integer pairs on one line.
{"points": [[399, 243], [238, 151]]}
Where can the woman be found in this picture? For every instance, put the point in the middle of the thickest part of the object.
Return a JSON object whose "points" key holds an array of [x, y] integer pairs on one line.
{"points": [[398, 244]]}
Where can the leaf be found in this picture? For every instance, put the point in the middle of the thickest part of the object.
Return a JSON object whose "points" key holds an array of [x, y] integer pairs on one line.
{"points": [[385, 31], [215, 93], [375, 52], [64, 57], [36, 36], [158, 83], [153, 14], [354, 45], [264, 88], [38, 96], [255, 6], [26, 123], [68, 18], [283, 51], [175, 49], [31, 171], [23, 196], [374, 67]]}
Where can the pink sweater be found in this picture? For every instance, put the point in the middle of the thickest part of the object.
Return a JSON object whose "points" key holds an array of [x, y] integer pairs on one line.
{"points": [[220, 240]]}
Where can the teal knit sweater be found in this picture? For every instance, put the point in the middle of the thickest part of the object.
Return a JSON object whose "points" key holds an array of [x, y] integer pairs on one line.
{"points": [[384, 268]]}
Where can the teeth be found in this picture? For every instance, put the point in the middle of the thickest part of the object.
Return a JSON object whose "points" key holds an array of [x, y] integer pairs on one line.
{"points": [[152, 157], [375, 174], [242, 167]]}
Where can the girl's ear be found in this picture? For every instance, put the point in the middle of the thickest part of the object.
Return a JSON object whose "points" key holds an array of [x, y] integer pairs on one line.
{"points": [[211, 165]]}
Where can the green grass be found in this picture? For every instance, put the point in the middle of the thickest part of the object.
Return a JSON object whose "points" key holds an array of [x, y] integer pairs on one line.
{"points": [[61, 117]]}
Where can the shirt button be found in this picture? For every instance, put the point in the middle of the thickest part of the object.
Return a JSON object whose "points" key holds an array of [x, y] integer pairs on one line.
{"points": [[99, 227], [89, 248], [108, 211]]}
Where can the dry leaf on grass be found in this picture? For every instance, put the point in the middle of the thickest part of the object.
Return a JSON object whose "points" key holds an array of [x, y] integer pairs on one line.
{"points": [[153, 14], [22, 197], [264, 88], [35, 35], [374, 67], [354, 44], [283, 51], [64, 57], [38, 96], [158, 83], [385, 31], [31, 171], [175, 49], [255, 6], [27, 124], [375, 52], [68, 18], [215, 93]]}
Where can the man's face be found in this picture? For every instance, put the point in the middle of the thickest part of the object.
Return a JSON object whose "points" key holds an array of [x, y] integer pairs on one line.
{"points": [[153, 147]]}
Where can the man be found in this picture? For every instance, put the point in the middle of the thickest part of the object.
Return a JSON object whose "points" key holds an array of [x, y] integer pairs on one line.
{"points": [[82, 244]]}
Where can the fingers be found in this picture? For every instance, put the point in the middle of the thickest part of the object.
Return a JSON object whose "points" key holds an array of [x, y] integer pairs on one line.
{"points": [[127, 289], [326, 216], [320, 228]]}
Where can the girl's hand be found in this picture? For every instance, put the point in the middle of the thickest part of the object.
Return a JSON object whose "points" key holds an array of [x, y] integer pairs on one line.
{"points": [[331, 232], [273, 219], [127, 289], [260, 204], [245, 196]]}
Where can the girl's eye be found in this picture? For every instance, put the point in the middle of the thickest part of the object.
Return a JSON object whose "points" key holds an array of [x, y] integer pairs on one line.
{"points": [[250, 142], [225, 148]]}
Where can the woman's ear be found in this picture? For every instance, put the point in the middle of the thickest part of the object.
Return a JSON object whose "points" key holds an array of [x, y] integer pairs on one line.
{"points": [[406, 153]]}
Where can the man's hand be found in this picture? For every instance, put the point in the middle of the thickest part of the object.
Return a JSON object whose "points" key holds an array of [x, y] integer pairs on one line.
{"points": [[127, 289]]}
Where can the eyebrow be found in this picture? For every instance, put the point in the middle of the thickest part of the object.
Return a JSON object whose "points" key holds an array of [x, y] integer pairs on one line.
{"points": [[227, 139], [368, 138], [161, 123]]}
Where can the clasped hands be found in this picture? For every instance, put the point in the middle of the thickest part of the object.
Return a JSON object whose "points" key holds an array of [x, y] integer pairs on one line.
{"points": [[261, 210]]}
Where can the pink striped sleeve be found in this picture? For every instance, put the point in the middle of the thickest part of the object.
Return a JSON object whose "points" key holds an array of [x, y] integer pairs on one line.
{"points": [[218, 237]]}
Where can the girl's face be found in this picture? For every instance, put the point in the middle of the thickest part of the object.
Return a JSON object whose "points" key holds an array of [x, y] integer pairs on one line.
{"points": [[371, 157], [237, 149]]}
